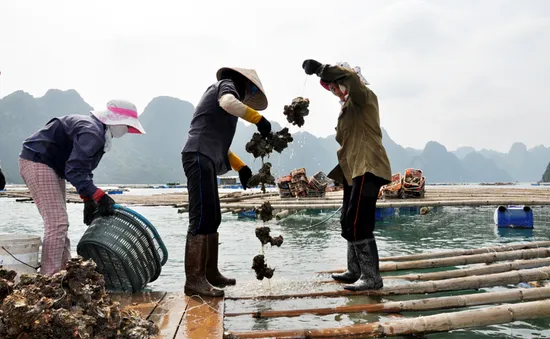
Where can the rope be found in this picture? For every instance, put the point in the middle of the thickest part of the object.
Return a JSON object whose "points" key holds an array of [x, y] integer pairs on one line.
{"points": [[304, 86], [328, 218], [24, 263]]}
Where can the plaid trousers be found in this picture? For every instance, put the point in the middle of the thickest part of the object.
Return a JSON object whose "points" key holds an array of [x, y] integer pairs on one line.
{"points": [[48, 192]]}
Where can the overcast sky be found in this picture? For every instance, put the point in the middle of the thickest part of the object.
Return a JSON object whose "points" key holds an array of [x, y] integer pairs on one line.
{"points": [[461, 72]]}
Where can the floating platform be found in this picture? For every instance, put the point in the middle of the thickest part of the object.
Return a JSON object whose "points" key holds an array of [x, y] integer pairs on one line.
{"points": [[462, 273], [435, 196]]}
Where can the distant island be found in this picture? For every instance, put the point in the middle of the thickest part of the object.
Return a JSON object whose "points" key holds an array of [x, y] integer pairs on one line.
{"points": [[155, 157]]}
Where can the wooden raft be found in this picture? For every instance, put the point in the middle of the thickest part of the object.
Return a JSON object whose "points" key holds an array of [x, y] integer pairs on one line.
{"points": [[242, 200], [180, 316], [177, 315], [495, 266]]}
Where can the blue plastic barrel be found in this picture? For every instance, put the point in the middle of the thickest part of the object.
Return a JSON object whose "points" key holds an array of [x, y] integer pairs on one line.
{"points": [[384, 213], [250, 214], [514, 217]]}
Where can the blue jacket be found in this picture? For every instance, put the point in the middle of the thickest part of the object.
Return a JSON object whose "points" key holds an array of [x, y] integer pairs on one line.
{"points": [[212, 129], [72, 146]]}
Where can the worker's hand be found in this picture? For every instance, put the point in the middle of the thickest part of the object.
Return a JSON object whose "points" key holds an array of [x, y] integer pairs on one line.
{"points": [[90, 207], [311, 66], [264, 127], [245, 174], [106, 205], [105, 202]]}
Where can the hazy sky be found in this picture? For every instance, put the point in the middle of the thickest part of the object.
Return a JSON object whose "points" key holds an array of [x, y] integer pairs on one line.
{"points": [[461, 72]]}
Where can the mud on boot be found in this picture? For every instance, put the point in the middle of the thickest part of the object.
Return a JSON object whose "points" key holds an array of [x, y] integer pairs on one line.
{"points": [[367, 254], [213, 274], [354, 271], [196, 251]]}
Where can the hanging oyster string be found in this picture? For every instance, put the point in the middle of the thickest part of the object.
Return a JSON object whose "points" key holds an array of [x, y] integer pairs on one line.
{"points": [[263, 177], [262, 233], [265, 211], [261, 147], [261, 269], [296, 111]]}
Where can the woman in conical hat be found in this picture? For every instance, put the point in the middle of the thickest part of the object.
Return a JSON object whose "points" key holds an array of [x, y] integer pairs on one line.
{"points": [[70, 148], [238, 93], [363, 167]]}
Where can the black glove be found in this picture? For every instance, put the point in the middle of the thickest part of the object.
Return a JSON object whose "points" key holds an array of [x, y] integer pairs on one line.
{"points": [[245, 174], [89, 208], [264, 127], [311, 66], [106, 205]]}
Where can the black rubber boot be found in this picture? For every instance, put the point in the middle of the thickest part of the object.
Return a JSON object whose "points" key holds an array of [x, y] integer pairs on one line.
{"points": [[367, 253], [354, 271], [212, 273], [195, 267]]}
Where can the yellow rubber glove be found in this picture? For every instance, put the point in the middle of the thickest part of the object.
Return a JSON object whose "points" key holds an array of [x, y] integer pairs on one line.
{"points": [[236, 163], [252, 115]]}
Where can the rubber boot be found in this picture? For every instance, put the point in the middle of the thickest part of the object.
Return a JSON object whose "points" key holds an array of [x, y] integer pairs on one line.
{"points": [[354, 271], [195, 268], [212, 273], [370, 279]]}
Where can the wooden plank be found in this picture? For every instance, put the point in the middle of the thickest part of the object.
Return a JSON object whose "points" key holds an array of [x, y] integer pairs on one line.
{"points": [[455, 284], [420, 325], [440, 303], [464, 272], [203, 319], [461, 260], [168, 313], [402, 203], [144, 302], [454, 253]]}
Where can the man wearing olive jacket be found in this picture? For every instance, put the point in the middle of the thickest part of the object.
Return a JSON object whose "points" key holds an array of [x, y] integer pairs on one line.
{"points": [[363, 167]]}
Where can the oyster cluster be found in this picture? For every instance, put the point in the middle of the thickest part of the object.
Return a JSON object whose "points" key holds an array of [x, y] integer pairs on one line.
{"points": [[262, 233], [263, 177], [261, 269], [296, 111], [70, 304], [261, 147]]}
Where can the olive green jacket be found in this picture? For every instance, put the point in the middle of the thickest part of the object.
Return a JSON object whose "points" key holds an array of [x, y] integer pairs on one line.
{"points": [[358, 130]]}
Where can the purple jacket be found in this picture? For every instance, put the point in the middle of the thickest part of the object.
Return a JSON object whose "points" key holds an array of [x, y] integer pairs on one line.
{"points": [[72, 146]]}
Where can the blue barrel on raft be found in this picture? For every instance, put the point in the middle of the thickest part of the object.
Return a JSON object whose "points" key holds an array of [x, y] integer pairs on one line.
{"points": [[514, 217], [250, 214], [384, 213]]}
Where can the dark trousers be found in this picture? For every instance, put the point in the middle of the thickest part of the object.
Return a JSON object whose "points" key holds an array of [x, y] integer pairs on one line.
{"points": [[202, 187], [2, 181], [359, 207]]}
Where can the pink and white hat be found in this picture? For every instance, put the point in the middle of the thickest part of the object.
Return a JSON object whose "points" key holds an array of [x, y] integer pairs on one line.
{"points": [[120, 112], [356, 69]]}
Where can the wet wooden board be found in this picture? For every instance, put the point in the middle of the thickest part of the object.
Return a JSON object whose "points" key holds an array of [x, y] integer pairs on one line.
{"points": [[144, 302], [168, 314], [177, 315], [203, 319]]}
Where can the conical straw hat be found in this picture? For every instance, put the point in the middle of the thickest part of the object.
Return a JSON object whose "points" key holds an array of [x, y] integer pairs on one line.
{"points": [[259, 100]]}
